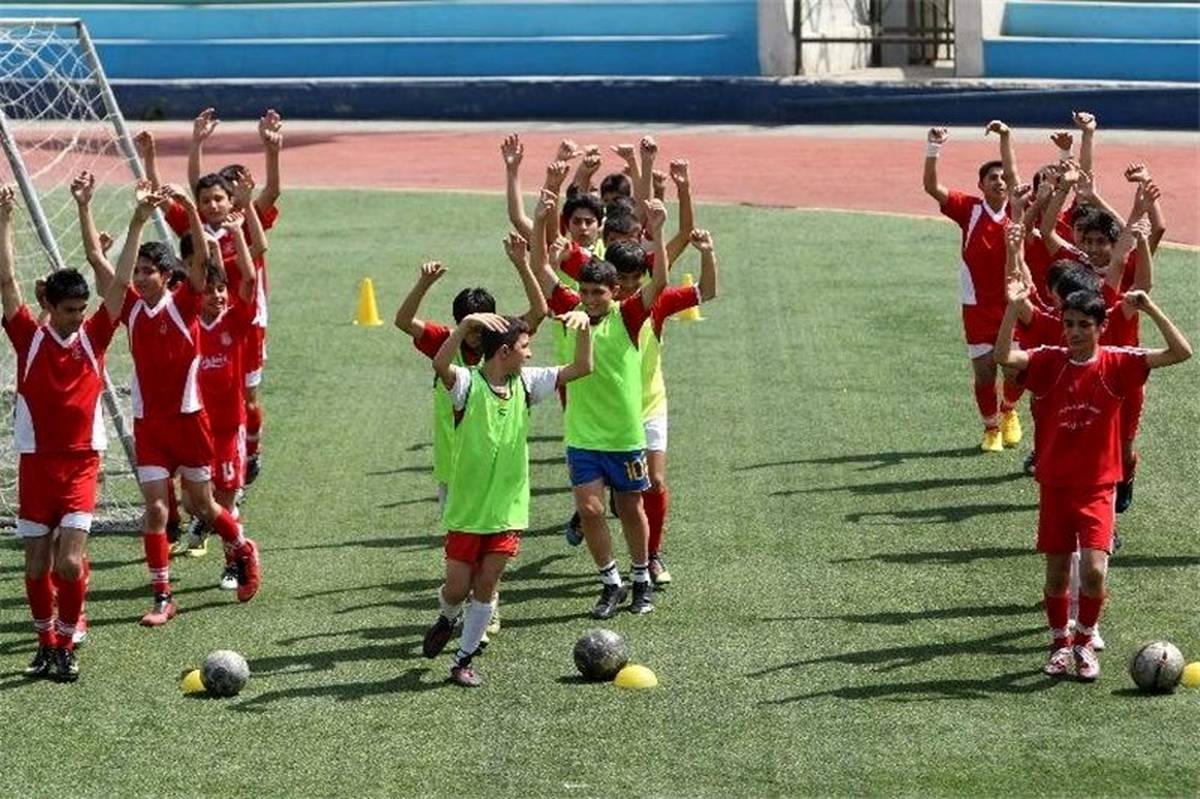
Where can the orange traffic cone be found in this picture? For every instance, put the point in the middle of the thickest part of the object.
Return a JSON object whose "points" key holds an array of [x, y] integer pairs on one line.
{"points": [[368, 312], [690, 314]]}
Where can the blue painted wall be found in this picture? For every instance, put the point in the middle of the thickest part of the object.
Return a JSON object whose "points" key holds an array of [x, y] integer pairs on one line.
{"points": [[1112, 21], [420, 39]]}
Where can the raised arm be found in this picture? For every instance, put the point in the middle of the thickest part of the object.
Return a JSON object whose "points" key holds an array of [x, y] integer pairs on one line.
{"points": [[512, 151], [10, 292], [82, 188], [589, 165], [1087, 193], [517, 250], [627, 154], [702, 240], [556, 175], [1139, 173], [143, 142], [581, 366], [1008, 155], [243, 194], [202, 127], [542, 271], [270, 132], [147, 201], [1143, 274], [687, 217], [1017, 280], [1049, 226], [934, 141], [647, 152], [1064, 141], [1178, 349], [1005, 354], [445, 354], [1086, 122], [245, 261], [656, 218], [406, 315]]}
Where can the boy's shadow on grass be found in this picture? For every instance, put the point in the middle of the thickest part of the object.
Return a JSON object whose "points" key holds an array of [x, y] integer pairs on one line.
{"points": [[949, 514], [871, 460], [410, 542], [901, 618], [947, 557], [907, 486], [414, 680], [1029, 681]]}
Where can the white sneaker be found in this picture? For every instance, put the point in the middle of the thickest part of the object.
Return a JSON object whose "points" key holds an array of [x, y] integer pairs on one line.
{"points": [[1059, 662], [229, 581], [1097, 641], [1087, 665]]}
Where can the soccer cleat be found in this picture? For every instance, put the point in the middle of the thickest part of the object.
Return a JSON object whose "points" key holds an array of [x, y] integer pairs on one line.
{"points": [[464, 675], [610, 597], [493, 626], [992, 440], [161, 612], [1010, 428], [1097, 641], [1116, 541], [1059, 662], [229, 577], [178, 546], [173, 531], [80, 636], [1030, 465], [658, 571], [42, 663], [248, 571], [437, 636], [197, 538], [1087, 665], [573, 531], [643, 598], [252, 469], [1124, 495], [66, 665]]}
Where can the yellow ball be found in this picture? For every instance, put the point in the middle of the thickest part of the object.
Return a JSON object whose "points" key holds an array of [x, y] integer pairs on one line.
{"points": [[634, 676], [191, 683], [1191, 675]]}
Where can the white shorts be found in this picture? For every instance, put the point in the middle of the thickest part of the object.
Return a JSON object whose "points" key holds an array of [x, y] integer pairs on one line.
{"points": [[979, 350], [656, 433], [76, 521]]}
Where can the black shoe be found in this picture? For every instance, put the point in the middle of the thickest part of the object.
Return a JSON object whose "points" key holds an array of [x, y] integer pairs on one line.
{"points": [[643, 598], [173, 531], [1116, 542], [1030, 465], [252, 468], [1124, 495], [42, 663], [66, 666], [612, 504], [610, 597], [462, 674], [437, 636]]}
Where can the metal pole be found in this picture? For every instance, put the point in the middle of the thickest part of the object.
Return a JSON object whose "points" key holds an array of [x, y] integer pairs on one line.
{"points": [[31, 198]]}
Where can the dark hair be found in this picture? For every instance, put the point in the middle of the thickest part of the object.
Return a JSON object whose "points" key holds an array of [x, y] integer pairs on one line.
{"points": [[620, 205], [988, 166], [214, 275], [1066, 277], [159, 254], [1088, 303], [1079, 212], [584, 201], [65, 284], [214, 179], [597, 271], [232, 172], [1037, 176], [620, 223], [617, 183], [490, 341], [469, 301], [1097, 221], [628, 257]]}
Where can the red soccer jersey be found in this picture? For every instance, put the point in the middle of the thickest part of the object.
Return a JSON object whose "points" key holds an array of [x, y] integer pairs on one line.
{"points": [[1119, 330], [984, 251], [633, 310], [59, 383], [222, 383], [432, 338], [1078, 412], [672, 300], [165, 344]]}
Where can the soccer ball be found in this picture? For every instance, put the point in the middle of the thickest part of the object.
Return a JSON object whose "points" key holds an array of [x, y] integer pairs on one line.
{"points": [[224, 673], [1157, 667], [600, 654]]}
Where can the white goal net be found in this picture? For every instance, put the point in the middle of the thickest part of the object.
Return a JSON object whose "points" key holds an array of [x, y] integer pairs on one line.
{"points": [[57, 118]]}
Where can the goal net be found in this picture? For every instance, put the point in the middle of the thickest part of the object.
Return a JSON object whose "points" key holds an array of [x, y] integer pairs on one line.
{"points": [[57, 118]]}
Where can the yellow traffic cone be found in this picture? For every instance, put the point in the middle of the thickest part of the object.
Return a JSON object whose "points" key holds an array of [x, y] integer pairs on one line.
{"points": [[368, 313], [690, 314]]}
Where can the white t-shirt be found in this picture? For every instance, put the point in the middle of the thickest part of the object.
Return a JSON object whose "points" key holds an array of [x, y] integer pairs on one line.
{"points": [[540, 382]]}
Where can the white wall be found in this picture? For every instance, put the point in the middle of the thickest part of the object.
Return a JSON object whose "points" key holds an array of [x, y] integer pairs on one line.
{"points": [[776, 46]]}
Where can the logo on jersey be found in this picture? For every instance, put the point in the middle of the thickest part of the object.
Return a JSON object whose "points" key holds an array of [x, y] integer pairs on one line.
{"points": [[226, 340]]}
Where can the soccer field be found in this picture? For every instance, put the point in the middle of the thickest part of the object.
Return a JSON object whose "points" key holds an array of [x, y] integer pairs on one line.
{"points": [[856, 605]]}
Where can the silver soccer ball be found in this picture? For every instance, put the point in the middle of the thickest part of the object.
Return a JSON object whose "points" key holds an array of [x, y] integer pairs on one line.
{"points": [[1157, 667], [600, 654], [224, 673]]}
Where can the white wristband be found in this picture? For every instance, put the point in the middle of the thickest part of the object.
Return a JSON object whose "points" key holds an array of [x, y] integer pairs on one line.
{"points": [[1064, 154], [933, 149]]}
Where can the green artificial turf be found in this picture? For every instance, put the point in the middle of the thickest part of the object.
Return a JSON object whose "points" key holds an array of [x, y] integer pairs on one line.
{"points": [[855, 606]]}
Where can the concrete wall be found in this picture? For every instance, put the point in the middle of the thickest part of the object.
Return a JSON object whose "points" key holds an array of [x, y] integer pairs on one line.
{"points": [[834, 18]]}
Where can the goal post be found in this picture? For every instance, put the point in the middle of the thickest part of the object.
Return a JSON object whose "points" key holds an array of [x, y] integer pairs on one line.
{"points": [[59, 116]]}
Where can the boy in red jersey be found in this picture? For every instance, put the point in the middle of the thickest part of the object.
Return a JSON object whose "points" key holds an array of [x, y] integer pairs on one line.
{"points": [[171, 430], [1079, 389], [981, 275], [59, 433]]}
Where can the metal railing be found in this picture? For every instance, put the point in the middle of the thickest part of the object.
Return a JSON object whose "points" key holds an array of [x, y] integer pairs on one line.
{"points": [[928, 30]]}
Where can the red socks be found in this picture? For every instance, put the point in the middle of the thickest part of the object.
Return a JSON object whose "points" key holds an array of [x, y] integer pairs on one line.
{"points": [[40, 592], [656, 503], [254, 423], [70, 606], [1089, 614], [1012, 395], [228, 528], [158, 558], [985, 399], [1056, 616]]}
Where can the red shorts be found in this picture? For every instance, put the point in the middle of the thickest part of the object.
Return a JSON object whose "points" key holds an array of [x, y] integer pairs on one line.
{"points": [[56, 490], [168, 444], [1074, 517], [254, 355], [471, 547], [981, 323], [229, 458]]}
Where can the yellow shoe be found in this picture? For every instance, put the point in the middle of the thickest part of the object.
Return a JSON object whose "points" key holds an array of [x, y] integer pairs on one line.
{"points": [[1010, 428], [992, 442]]}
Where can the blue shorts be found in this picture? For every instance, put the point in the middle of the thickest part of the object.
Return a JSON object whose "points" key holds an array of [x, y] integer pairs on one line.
{"points": [[620, 471]]}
